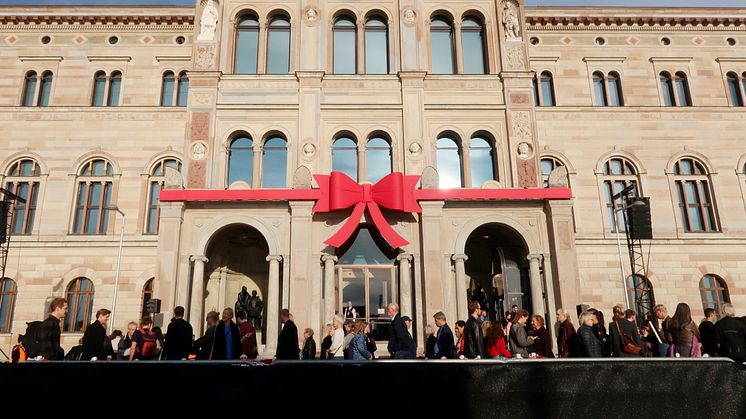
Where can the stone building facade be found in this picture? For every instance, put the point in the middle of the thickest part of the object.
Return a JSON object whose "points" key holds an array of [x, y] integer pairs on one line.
{"points": [[519, 121]]}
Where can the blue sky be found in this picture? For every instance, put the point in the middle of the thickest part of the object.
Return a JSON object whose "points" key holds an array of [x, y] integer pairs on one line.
{"points": [[720, 3]]}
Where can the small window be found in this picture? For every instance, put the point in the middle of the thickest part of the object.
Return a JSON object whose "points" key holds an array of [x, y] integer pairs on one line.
{"points": [[180, 40], [695, 196], [115, 87], [376, 46], [147, 295], [618, 173], [167, 91], [599, 88], [730, 41], [45, 92], [278, 46], [665, 41], [442, 46], [344, 156], [682, 89], [182, 95], [247, 45], [714, 293], [23, 179], [667, 89], [99, 88], [450, 164], [377, 159], [46, 39], [241, 159], [93, 200], [8, 292], [472, 46], [482, 161], [547, 89], [29, 89], [734, 89], [156, 182], [275, 162], [600, 41], [534, 40], [80, 305], [113, 40], [345, 45]]}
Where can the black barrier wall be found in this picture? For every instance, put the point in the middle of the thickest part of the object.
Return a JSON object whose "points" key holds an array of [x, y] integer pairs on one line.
{"points": [[425, 389]]}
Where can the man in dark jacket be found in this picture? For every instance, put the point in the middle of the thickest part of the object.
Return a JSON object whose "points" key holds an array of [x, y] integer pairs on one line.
{"points": [[473, 339], [400, 341], [443, 338], [178, 337], [287, 342], [95, 343], [227, 342], [708, 334], [731, 334], [203, 346], [628, 334], [48, 335]]}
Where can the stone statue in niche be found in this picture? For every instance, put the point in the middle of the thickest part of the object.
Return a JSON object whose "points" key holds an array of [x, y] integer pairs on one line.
{"points": [[524, 151], [208, 22], [430, 178], [242, 303], [256, 305], [511, 22]]}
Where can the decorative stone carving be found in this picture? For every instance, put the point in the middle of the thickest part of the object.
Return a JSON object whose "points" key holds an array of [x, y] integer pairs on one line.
{"points": [[558, 178], [302, 178], [409, 16], [208, 22], [311, 16], [521, 123], [205, 57], [309, 150], [527, 173], [199, 126], [430, 178], [173, 179], [415, 149], [525, 151], [199, 149], [515, 57], [511, 21]]}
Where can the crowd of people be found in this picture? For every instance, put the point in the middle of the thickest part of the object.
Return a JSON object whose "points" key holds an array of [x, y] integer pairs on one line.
{"points": [[518, 335]]}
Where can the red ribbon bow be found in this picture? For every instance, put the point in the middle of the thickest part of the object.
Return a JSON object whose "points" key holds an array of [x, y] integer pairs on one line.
{"points": [[395, 192]]}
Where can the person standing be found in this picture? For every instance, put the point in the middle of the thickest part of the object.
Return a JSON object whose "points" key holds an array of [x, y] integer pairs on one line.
{"points": [[459, 348], [623, 332], [708, 333], [95, 343], [327, 342], [227, 342], [178, 337], [144, 345], [542, 341], [48, 334], [287, 342], [683, 331], [566, 337], [660, 331], [309, 345], [473, 339], [443, 348], [203, 346], [123, 348], [358, 347], [400, 341], [336, 350], [248, 335], [588, 345], [519, 339], [731, 332]]}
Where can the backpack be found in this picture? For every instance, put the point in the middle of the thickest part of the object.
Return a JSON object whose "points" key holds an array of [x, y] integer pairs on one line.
{"points": [[30, 340], [149, 345]]}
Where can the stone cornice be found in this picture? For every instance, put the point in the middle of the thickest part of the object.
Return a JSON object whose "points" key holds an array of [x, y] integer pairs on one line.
{"points": [[89, 21], [635, 19]]}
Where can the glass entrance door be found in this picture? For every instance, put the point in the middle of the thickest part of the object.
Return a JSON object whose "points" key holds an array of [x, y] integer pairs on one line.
{"points": [[370, 289]]}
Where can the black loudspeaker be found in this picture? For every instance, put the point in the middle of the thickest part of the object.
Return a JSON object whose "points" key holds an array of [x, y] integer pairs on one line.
{"points": [[4, 213], [638, 219]]}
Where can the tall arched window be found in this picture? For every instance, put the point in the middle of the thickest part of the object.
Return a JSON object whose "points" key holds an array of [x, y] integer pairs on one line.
{"points": [[29, 88], [45, 92], [450, 164], [472, 46], [247, 45], [95, 181], [147, 295], [482, 159], [275, 163], [695, 197], [167, 91], [80, 304], [278, 46], [547, 89], [615, 89], [376, 46], [599, 88], [345, 40], [667, 89], [682, 89], [734, 89], [547, 165], [241, 159], [618, 173], [182, 95], [155, 185], [7, 303], [441, 45], [23, 179], [714, 293], [640, 293], [99, 89], [115, 88], [377, 159], [344, 156]]}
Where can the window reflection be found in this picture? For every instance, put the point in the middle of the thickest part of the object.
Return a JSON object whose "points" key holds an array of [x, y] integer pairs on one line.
{"points": [[376, 47], [274, 163], [472, 45], [481, 156], [441, 46], [345, 57], [449, 163], [377, 159], [247, 46], [344, 157], [278, 46], [241, 160]]}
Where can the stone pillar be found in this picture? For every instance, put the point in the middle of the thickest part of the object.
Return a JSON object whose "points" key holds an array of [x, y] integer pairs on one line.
{"points": [[405, 284], [551, 307], [360, 55], [462, 305], [564, 263], [459, 51], [196, 308], [329, 303], [169, 289], [435, 267], [261, 62], [273, 303], [222, 287], [537, 300]]}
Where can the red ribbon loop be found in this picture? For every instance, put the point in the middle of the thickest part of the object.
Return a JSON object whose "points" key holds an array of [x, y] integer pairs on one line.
{"points": [[395, 192]]}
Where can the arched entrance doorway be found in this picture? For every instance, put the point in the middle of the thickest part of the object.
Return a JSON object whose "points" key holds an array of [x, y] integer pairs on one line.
{"points": [[237, 258], [498, 269]]}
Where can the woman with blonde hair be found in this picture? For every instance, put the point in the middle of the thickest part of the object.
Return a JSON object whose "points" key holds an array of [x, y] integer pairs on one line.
{"points": [[429, 341], [588, 344]]}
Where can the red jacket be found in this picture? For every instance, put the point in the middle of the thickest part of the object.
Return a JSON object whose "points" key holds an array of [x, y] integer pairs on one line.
{"points": [[499, 349]]}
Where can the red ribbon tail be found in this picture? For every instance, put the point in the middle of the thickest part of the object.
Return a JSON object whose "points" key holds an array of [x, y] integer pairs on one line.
{"points": [[392, 237], [348, 229]]}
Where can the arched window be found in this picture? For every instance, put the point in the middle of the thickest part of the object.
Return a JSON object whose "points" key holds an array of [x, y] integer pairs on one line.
{"points": [[618, 173], [472, 46], [734, 89], [547, 165], [694, 193], [640, 293], [155, 185], [547, 89], [441, 45], [7, 303], [23, 179], [182, 95], [278, 46], [29, 89], [450, 164], [275, 163], [535, 85], [99, 89], [167, 91], [377, 159], [615, 89], [682, 89], [344, 156], [115, 87], [45, 92], [482, 159], [80, 304], [376, 46], [667, 89], [93, 198], [714, 293], [241, 159], [147, 295], [247, 45], [345, 51], [599, 88]]}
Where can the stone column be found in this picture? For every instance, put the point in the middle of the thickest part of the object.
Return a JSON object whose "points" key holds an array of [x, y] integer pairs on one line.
{"points": [[360, 55], [459, 51], [551, 306], [198, 291], [273, 303], [261, 62], [564, 263], [462, 305], [222, 287], [171, 290], [537, 300], [329, 303], [405, 284]]}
